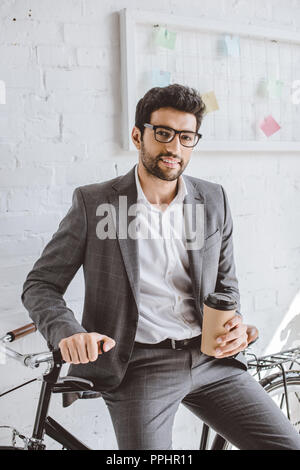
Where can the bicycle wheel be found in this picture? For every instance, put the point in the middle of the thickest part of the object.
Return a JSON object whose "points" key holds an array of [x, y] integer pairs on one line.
{"points": [[274, 386]]}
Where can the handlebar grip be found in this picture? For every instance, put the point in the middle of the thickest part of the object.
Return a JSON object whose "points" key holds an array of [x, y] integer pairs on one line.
{"points": [[101, 346], [57, 358], [22, 331]]}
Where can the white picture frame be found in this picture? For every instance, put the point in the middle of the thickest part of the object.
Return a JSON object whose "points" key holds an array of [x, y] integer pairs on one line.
{"points": [[130, 18]]}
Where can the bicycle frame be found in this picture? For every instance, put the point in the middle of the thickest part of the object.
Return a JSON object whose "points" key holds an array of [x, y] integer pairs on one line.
{"points": [[44, 424], [218, 441]]}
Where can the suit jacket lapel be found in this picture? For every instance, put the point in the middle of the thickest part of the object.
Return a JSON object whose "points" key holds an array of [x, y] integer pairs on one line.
{"points": [[196, 202], [125, 197]]}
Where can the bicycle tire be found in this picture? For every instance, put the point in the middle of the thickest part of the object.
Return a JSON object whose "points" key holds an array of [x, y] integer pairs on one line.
{"points": [[275, 383]]}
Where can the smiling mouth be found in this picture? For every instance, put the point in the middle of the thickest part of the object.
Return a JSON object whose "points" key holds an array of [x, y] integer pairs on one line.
{"points": [[170, 162]]}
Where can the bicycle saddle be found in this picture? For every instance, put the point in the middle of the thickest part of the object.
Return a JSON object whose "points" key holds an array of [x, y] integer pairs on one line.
{"points": [[73, 388], [72, 384]]}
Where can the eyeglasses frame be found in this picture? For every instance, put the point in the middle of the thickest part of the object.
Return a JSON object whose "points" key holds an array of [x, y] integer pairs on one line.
{"points": [[153, 127]]}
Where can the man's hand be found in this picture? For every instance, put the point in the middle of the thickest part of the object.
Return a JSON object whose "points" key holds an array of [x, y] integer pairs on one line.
{"points": [[82, 348], [237, 339]]}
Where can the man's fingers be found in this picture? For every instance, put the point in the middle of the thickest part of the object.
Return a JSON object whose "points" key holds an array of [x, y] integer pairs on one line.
{"points": [[229, 346], [232, 352], [233, 322], [81, 350], [92, 349], [73, 353], [235, 340], [237, 332], [108, 344], [65, 353], [95, 347], [232, 345]]}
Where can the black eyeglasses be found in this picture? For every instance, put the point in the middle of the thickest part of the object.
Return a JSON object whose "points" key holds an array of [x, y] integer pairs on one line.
{"points": [[166, 134]]}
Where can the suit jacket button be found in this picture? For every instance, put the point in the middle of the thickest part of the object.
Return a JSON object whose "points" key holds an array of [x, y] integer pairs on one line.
{"points": [[124, 358]]}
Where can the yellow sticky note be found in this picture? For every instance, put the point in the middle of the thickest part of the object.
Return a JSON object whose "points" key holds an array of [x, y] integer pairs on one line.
{"points": [[210, 102]]}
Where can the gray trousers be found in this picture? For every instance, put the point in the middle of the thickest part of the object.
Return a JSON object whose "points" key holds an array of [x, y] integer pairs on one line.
{"points": [[219, 391]]}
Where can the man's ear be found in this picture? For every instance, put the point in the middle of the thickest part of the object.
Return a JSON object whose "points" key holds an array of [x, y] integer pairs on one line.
{"points": [[136, 137]]}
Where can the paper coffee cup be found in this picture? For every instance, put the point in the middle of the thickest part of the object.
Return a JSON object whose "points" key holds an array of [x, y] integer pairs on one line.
{"points": [[218, 309]]}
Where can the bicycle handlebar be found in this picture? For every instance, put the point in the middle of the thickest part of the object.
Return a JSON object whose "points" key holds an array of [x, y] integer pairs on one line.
{"points": [[22, 331], [35, 359]]}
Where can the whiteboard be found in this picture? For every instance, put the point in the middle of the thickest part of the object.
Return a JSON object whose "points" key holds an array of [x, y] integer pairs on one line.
{"points": [[239, 83]]}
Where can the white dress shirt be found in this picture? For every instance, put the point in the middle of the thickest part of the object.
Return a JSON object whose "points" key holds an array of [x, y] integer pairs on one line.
{"points": [[167, 308]]}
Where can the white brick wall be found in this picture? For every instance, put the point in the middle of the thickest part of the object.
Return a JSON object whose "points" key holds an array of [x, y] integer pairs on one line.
{"points": [[60, 129]]}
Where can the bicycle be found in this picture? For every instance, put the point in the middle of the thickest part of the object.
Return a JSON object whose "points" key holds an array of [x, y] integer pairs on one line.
{"points": [[284, 386]]}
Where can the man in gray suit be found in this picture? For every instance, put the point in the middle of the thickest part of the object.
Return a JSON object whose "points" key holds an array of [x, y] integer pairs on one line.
{"points": [[144, 294]]}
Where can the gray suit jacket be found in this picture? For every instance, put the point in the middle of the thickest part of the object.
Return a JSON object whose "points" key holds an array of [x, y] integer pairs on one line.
{"points": [[111, 272]]}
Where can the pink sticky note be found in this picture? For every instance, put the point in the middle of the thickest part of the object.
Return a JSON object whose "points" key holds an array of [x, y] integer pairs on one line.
{"points": [[269, 126]]}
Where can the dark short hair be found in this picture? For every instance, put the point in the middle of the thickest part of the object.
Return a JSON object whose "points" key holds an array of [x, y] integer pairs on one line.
{"points": [[174, 96]]}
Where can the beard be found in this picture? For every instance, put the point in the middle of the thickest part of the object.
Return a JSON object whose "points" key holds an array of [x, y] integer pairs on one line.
{"points": [[153, 167]]}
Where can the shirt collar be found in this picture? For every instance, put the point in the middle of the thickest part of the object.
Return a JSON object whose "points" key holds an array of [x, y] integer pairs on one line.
{"points": [[181, 193]]}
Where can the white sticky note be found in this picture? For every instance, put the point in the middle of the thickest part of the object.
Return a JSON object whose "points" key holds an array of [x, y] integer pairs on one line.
{"points": [[232, 45]]}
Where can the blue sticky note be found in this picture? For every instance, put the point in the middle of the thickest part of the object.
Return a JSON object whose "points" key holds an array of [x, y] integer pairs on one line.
{"points": [[232, 45], [160, 78]]}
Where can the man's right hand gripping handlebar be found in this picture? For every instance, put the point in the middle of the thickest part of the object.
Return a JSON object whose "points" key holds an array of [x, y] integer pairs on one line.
{"points": [[82, 348]]}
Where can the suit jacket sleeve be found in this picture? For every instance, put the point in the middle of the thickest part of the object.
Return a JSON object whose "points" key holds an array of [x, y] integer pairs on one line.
{"points": [[50, 276], [227, 281]]}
